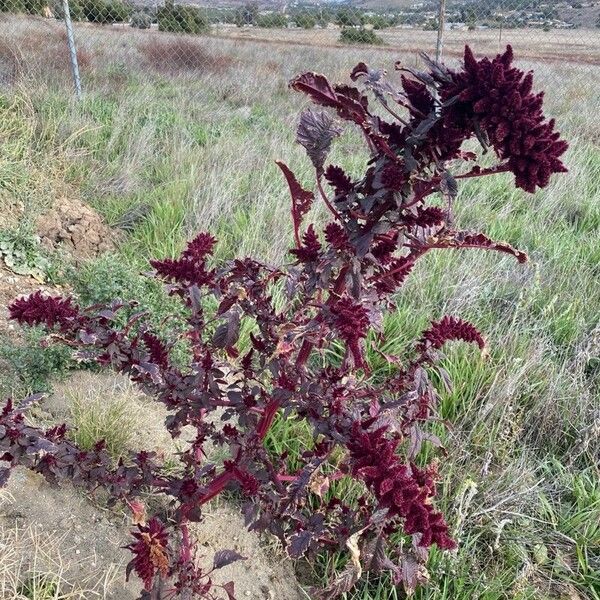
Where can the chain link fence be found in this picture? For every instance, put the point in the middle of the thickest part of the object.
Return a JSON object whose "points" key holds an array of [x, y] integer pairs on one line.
{"points": [[90, 40]]}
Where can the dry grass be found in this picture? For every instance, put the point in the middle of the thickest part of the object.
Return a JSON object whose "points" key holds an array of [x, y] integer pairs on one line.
{"points": [[173, 56], [21, 58], [34, 565]]}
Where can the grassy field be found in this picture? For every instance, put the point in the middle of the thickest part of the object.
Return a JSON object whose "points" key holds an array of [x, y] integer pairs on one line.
{"points": [[189, 144]]}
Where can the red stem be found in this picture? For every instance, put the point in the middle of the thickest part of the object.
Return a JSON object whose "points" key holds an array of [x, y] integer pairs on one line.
{"points": [[267, 419], [330, 206], [503, 168], [216, 486], [186, 545]]}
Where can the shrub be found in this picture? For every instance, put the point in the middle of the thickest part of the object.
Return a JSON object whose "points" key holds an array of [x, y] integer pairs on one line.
{"points": [[182, 19], [304, 356], [306, 20], [360, 35], [272, 20], [141, 20], [183, 54], [32, 7], [105, 11]]}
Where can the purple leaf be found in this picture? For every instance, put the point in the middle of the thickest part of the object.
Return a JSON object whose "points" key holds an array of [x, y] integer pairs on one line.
{"points": [[223, 558], [316, 131], [229, 590], [226, 335]]}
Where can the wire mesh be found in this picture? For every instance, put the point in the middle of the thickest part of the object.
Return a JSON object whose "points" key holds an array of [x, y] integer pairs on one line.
{"points": [[154, 38]]}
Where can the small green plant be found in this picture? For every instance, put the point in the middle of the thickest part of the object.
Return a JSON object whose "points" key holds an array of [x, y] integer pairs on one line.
{"points": [[40, 586], [33, 362], [21, 251], [360, 35]]}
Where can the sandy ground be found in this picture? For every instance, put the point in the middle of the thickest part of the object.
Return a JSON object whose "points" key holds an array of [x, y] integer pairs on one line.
{"points": [[90, 538]]}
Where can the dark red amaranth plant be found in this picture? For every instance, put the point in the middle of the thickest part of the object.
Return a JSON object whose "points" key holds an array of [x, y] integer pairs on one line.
{"points": [[343, 277]]}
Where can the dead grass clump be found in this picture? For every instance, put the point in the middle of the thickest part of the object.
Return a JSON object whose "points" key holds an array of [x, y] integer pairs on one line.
{"points": [[11, 64], [180, 55], [35, 565], [38, 53]]}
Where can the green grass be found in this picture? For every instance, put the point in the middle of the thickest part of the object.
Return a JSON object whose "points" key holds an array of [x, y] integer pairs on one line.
{"points": [[520, 482], [95, 418]]}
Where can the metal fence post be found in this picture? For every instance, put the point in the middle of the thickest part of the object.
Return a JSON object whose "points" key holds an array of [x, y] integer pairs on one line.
{"points": [[440, 33], [72, 49]]}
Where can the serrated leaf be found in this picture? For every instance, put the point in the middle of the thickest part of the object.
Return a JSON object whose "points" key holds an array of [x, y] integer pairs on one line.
{"points": [[317, 87], [299, 543]]}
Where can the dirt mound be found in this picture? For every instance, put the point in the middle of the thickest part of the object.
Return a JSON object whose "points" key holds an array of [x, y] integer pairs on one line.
{"points": [[76, 227]]}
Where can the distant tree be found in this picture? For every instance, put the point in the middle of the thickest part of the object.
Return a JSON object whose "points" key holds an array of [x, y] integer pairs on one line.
{"points": [[306, 20], [182, 19], [247, 14], [381, 21], [468, 16], [360, 35], [105, 11], [348, 17], [141, 20], [270, 20]]}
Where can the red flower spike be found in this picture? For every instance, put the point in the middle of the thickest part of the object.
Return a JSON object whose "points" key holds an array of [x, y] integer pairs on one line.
{"points": [[310, 249], [151, 554], [448, 329], [200, 247], [157, 350], [498, 96], [351, 321], [403, 491], [49, 310], [336, 237], [338, 180]]}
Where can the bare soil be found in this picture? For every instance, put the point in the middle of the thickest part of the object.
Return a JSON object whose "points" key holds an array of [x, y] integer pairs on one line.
{"points": [[92, 537]]}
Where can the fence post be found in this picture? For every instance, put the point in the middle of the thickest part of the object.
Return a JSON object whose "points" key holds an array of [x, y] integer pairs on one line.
{"points": [[72, 49], [440, 33]]}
